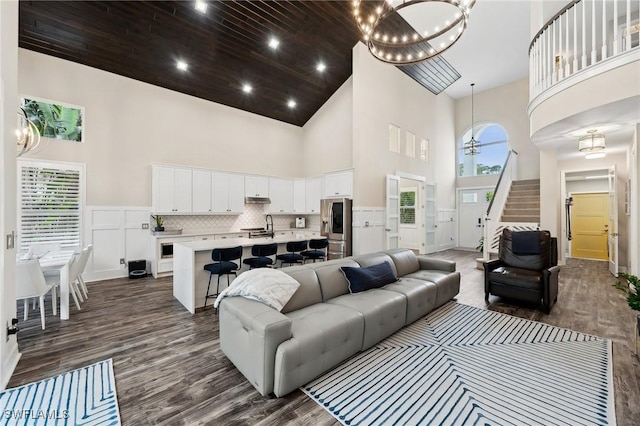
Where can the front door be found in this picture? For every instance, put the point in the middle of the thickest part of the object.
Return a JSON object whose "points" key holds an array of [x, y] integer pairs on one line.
{"points": [[589, 225], [472, 206]]}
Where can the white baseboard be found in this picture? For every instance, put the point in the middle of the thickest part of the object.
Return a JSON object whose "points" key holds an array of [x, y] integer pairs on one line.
{"points": [[104, 275]]}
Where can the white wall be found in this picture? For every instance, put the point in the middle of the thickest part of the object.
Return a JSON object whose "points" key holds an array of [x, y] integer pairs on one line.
{"points": [[8, 82], [507, 106], [327, 136], [634, 218], [382, 95], [587, 185], [129, 125]]}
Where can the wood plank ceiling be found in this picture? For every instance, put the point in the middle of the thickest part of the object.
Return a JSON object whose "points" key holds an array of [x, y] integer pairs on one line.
{"points": [[225, 48]]}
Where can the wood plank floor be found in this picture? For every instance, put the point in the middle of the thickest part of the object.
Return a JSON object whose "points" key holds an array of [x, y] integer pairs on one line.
{"points": [[169, 368]]}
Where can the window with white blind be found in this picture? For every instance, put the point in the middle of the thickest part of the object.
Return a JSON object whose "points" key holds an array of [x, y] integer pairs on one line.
{"points": [[49, 203]]}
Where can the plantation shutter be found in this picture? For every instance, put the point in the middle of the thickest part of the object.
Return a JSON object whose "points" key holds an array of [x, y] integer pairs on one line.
{"points": [[49, 204]]}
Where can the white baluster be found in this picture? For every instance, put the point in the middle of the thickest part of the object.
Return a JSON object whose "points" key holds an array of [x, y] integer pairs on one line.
{"points": [[567, 63], [575, 38], [627, 40], [584, 34], [615, 28], [604, 30], [558, 57], [594, 55], [554, 54]]}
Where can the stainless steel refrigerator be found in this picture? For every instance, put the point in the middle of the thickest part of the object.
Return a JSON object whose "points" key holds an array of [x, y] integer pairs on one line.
{"points": [[336, 226]]}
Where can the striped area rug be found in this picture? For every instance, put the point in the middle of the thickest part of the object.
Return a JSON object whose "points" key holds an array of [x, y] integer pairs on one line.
{"points": [[462, 365], [86, 396]]}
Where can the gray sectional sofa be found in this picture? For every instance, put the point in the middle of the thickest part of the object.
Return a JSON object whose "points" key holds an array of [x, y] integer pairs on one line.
{"points": [[323, 323]]}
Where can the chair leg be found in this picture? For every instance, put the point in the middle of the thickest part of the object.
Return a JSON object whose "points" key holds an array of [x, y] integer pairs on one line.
{"points": [[42, 311], [83, 286], [75, 297], [26, 308], [54, 301], [76, 289], [206, 296]]}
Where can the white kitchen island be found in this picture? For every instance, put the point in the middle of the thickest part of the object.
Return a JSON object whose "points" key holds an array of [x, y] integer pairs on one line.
{"points": [[189, 277]]}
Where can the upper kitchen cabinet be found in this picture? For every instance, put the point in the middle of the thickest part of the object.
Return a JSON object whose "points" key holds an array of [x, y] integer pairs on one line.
{"points": [[215, 192], [171, 190], [338, 184], [299, 196], [281, 195], [313, 194], [256, 186]]}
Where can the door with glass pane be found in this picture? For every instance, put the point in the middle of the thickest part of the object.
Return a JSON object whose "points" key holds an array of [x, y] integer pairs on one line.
{"points": [[393, 211], [472, 207], [430, 220]]}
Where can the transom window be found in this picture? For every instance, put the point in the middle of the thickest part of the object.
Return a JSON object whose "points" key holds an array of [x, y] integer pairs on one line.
{"points": [[493, 150]]}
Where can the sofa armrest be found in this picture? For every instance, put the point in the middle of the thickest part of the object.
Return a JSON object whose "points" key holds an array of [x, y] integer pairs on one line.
{"points": [[489, 266], [250, 333], [429, 263]]}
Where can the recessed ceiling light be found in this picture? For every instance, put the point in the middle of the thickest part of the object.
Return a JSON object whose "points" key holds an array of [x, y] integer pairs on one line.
{"points": [[274, 43], [321, 67], [291, 103], [182, 66], [201, 6], [246, 88]]}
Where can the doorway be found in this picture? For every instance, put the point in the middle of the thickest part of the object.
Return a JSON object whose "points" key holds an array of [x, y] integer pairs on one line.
{"points": [[472, 207], [589, 225]]}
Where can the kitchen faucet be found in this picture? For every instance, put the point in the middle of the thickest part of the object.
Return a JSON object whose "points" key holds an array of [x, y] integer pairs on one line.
{"points": [[269, 220]]}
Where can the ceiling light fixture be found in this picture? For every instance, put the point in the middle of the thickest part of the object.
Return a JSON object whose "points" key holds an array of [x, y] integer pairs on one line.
{"points": [[390, 39], [246, 88], [182, 66], [291, 103], [593, 142], [274, 43], [472, 147], [201, 6], [27, 133], [321, 67]]}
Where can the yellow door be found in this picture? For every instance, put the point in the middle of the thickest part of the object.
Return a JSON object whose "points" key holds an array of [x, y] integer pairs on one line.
{"points": [[589, 223]]}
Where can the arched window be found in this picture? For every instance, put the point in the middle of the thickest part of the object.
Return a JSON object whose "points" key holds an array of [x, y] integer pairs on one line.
{"points": [[493, 149]]}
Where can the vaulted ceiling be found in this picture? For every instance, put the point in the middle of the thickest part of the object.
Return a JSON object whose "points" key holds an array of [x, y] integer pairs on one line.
{"points": [[226, 49]]}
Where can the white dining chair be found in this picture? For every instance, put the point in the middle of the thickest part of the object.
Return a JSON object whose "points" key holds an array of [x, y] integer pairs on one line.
{"points": [[31, 283], [82, 265]]}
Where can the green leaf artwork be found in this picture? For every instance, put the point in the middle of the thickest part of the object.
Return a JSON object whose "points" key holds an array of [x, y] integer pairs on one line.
{"points": [[53, 120]]}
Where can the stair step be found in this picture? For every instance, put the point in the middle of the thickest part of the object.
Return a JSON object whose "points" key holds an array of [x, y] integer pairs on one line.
{"points": [[519, 218], [527, 187], [526, 182], [524, 192], [523, 206], [519, 211]]}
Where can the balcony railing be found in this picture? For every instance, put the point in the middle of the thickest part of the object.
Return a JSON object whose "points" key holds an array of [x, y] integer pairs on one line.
{"points": [[583, 34]]}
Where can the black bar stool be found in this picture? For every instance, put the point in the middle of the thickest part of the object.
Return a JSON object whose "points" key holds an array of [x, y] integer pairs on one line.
{"points": [[262, 256], [318, 250], [293, 253], [225, 264]]}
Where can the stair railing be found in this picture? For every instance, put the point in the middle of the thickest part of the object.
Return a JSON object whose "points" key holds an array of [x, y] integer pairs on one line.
{"points": [[508, 174]]}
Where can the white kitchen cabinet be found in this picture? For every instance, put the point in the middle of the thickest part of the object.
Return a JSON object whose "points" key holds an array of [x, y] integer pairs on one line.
{"points": [[281, 195], [338, 184], [313, 194], [227, 193], [201, 191], [256, 186], [299, 196], [171, 190]]}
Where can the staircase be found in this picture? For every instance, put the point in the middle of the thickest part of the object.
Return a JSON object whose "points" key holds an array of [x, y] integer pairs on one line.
{"points": [[523, 203]]}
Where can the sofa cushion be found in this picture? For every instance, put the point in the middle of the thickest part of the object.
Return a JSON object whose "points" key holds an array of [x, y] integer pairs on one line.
{"points": [[374, 259], [405, 261], [331, 279], [421, 296], [384, 312], [322, 336], [368, 277], [523, 278], [309, 291], [448, 283]]}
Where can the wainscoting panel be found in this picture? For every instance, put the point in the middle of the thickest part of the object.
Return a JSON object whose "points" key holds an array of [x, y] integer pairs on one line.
{"points": [[117, 237], [368, 225]]}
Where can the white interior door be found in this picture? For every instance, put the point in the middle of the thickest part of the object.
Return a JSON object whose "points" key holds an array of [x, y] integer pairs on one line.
{"points": [[393, 211], [612, 239], [472, 206], [430, 219]]}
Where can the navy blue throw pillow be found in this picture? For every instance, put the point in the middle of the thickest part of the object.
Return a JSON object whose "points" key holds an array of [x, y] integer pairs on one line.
{"points": [[374, 276]]}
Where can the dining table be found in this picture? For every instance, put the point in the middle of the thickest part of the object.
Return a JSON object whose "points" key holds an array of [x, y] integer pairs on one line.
{"points": [[58, 261]]}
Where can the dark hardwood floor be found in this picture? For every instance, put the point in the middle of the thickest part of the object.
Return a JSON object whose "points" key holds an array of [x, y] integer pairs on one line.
{"points": [[169, 368]]}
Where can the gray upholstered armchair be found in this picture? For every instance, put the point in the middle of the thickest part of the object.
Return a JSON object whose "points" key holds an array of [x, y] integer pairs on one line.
{"points": [[526, 268]]}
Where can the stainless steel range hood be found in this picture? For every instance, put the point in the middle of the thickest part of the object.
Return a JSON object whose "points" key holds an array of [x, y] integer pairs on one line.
{"points": [[257, 200]]}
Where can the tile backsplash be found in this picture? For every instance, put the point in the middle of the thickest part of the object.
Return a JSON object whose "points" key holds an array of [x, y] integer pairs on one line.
{"points": [[253, 217]]}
